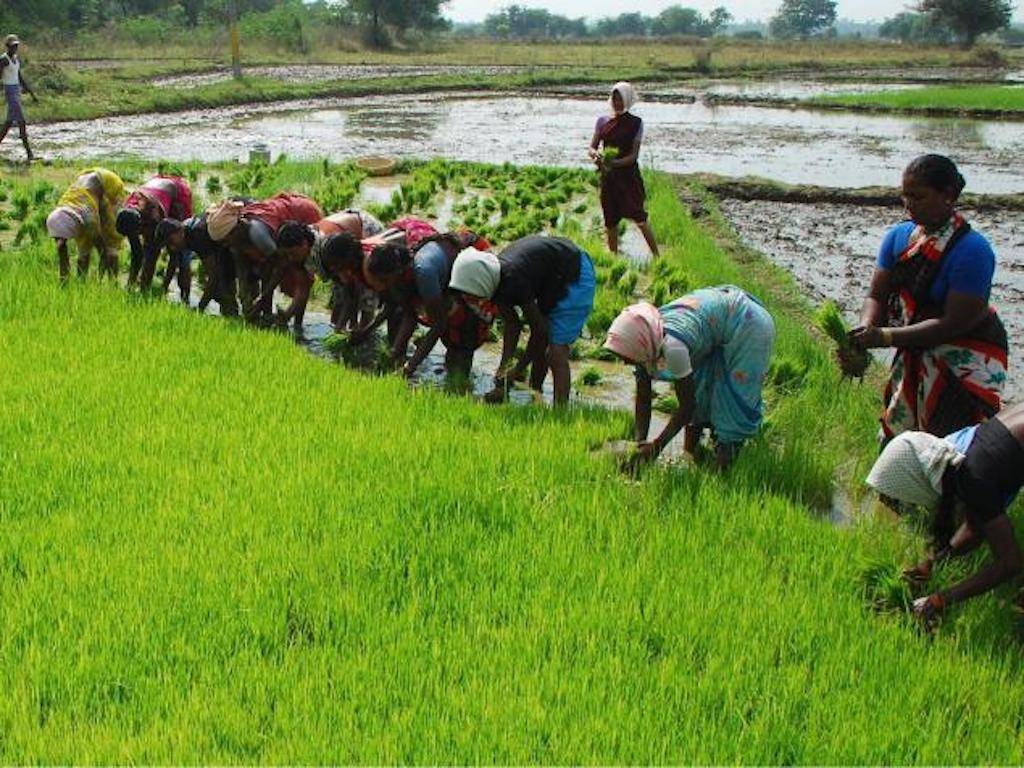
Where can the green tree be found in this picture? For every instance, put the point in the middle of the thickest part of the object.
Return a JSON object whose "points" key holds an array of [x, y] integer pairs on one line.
{"points": [[378, 16], [803, 18], [914, 28], [968, 19], [717, 21], [623, 25], [677, 20]]}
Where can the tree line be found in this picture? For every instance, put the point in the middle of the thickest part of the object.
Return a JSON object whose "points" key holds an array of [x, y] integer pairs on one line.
{"points": [[928, 21]]}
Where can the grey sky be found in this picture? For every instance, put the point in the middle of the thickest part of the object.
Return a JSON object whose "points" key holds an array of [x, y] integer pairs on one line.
{"points": [[860, 10]]}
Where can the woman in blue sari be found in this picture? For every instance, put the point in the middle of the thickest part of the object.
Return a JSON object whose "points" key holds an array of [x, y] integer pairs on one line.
{"points": [[715, 345]]}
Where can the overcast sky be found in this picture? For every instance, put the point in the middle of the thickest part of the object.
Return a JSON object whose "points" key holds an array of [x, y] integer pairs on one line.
{"points": [[860, 10]]}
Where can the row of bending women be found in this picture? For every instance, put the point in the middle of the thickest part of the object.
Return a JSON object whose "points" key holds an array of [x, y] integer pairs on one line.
{"points": [[714, 344]]}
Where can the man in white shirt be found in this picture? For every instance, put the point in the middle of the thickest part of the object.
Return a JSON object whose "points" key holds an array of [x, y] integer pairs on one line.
{"points": [[14, 83]]}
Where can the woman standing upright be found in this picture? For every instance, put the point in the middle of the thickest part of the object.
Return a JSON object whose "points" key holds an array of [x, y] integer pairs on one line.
{"points": [[929, 299], [622, 188]]}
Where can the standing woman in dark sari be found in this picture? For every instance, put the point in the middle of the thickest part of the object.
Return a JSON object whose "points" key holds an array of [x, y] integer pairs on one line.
{"points": [[929, 299], [622, 187]]}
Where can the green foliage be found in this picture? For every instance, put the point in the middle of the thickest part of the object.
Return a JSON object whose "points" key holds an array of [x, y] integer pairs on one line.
{"points": [[941, 98], [803, 18], [910, 27], [830, 320], [969, 18], [787, 374], [590, 377]]}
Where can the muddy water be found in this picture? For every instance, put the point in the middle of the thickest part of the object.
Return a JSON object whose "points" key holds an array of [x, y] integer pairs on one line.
{"points": [[794, 146], [786, 89], [831, 249]]}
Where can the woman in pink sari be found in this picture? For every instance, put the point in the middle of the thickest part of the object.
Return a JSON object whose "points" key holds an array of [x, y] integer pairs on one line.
{"points": [[162, 197]]}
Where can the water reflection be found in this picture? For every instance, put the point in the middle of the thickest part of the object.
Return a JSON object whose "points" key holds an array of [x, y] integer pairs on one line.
{"points": [[399, 122]]}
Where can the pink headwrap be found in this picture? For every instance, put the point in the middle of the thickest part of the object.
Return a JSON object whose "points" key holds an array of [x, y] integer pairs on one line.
{"points": [[638, 334]]}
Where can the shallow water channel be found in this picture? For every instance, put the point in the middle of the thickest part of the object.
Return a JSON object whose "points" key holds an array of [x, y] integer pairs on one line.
{"points": [[789, 145]]}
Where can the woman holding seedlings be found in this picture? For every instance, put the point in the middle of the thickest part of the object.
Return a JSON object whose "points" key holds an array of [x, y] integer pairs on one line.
{"points": [[425, 299], [715, 346], [390, 252], [302, 248], [552, 281], [929, 300], [188, 238], [86, 213], [969, 479], [615, 149], [159, 198]]}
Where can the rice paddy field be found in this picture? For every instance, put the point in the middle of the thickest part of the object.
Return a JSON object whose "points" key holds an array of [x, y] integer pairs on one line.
{"points": [[1005, 100], [219, 549]]}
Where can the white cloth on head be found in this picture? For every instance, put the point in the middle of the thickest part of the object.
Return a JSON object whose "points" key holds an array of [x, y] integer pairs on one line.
{"points": [[476, 273], [676, 356], [64, 223], [911, 467], [627, 93]]}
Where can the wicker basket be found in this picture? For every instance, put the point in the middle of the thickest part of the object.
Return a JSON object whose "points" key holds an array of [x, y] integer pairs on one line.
{"points": [[377, 166]]}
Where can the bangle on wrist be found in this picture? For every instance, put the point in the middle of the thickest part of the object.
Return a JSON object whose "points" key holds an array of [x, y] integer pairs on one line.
{"points": [[887, 337]]}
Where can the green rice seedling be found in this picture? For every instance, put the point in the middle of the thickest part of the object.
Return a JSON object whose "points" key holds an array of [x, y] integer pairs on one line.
{"points": [[786, 374], [666, 403], [884, 587], [626, 284], [336, 343], [590, 377], [349, 571], [214, 185], [21, 202], [830, 320], [43, 193]]}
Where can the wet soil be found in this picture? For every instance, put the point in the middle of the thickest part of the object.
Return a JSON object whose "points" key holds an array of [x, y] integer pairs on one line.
{"points": [[831, 248], [313, 73], [792, 146]]}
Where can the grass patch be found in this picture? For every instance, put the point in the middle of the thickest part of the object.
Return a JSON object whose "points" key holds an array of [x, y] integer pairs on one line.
{"points": [[219, 549], [973, 99]]}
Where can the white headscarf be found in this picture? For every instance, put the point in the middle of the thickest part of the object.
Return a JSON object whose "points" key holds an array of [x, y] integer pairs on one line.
{"points": [[64, 223], [911, 467], [626, 92], [476, 273]]}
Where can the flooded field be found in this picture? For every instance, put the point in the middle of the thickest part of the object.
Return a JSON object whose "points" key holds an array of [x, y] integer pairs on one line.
{"points": [[831, 250], [789, 145], [753, 89]]}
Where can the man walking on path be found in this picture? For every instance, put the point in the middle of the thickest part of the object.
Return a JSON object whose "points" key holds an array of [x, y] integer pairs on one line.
{"points": [[14, 84]]}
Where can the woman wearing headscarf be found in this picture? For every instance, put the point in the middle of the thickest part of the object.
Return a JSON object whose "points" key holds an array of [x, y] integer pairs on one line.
{"points": [[967, 480], [300, 249], [715, 346], [250, 231], [161, 197], [86, 213], [929, 300], [552, 281], [615, 150], [391, 254], [425, 299]]}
